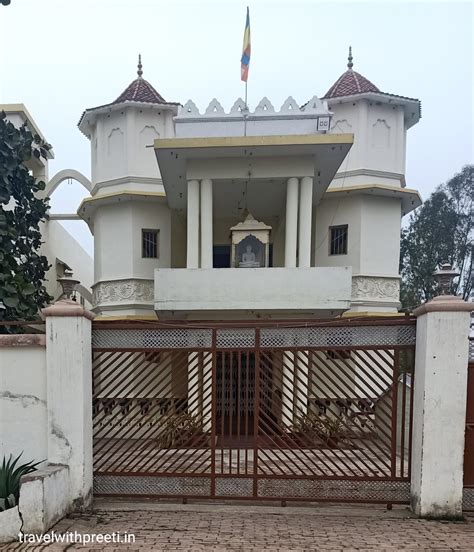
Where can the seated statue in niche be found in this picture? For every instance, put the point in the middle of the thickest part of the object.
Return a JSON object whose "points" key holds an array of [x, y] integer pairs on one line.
{"points": [[248, 259]]}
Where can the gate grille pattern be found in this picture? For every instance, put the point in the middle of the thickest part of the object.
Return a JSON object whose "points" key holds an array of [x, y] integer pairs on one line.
{"points": [[313, 412], [468, 491]]}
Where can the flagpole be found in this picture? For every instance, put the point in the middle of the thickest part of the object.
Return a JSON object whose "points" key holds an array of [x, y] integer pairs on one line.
{"points": [[246, 110], [245, 60]]}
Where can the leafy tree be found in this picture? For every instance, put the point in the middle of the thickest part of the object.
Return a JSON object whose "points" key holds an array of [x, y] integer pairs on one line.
{"points": [[22, 268], [441, 230]]}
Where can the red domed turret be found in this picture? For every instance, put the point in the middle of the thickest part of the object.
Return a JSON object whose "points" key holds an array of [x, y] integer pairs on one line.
{"points": [[350, 83], [140, 90]]}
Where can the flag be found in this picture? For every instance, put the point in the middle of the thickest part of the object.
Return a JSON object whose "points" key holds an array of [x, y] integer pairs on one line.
{"points": [[245, 60]]}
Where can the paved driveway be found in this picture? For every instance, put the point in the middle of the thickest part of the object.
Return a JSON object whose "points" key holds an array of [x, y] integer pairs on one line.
{"points": [[168, 526]]}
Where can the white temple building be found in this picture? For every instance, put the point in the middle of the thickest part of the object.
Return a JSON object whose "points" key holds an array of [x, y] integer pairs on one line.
{"points": [[273, 212]]}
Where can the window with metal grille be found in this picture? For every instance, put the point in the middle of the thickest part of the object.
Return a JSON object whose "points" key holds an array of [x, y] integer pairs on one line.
{"points": [[338, 240], [150, 244]]}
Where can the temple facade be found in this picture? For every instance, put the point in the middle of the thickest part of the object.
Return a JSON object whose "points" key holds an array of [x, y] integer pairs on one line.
{"points": [[266, 212]]}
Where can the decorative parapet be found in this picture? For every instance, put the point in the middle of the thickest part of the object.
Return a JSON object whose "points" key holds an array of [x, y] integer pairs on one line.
{"points": [[376, 288], [291, 119], [123, 292], [315, 108]]}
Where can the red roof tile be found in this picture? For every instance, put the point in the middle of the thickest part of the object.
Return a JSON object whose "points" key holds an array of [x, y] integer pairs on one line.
{"points": [[140, 90], [350, 83]]}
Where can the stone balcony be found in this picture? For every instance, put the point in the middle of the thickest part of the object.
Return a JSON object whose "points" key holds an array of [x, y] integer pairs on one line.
{"points": [[252, 292]]}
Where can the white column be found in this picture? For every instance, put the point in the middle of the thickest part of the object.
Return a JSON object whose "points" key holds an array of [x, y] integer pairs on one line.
{"points": [[291, 236], [302, 363], [207, 391], [193, 225], [439, 407], [206, 223], [288, 388], [194, 384], [305, 216], [291, 222], [69, 395]]}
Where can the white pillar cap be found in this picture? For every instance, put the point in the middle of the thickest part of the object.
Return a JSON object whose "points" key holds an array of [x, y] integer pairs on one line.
{"points": [[66, 307], [444, 303]]}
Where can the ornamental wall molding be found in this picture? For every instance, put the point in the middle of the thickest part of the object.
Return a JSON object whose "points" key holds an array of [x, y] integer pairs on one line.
{"points": [[375, 287], [371, 172], [126, 180], [132, 290]]}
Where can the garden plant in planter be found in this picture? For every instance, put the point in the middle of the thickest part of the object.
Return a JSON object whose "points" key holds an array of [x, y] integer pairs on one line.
{"points": [[317, 430], [10, 475], [181, 430]]}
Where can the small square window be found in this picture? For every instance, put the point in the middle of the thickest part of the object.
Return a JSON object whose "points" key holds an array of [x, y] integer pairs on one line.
{"points": [[150, 249], [338, 240]]}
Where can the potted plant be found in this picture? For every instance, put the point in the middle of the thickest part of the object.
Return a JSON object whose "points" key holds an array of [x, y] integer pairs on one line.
{"points": [[308, 430], [334, 431], [313, 430], [181, 430], [10, 475]]}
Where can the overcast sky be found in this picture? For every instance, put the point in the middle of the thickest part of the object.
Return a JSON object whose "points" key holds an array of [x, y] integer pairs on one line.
{"points": [[59, 57]]}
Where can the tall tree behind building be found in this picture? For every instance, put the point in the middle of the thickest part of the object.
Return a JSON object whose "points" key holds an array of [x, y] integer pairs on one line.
{"points": [[22, 268], [441, 230]]}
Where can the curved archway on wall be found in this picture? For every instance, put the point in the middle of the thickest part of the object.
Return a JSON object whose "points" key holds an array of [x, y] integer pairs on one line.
{"points": [[67, 174]]}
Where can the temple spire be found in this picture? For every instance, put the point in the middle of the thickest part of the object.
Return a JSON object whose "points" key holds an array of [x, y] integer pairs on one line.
{"points": [[349, 59], [140, 72]]}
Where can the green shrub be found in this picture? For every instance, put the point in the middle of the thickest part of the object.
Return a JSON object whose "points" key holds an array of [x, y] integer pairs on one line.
{"points": [[10, 474], [178, 430]]}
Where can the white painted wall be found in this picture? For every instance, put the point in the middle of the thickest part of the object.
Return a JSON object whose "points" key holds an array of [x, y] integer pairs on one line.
{"points": [[69, 396], [113, 247], [347, 119], [23, 421], [439, 412], [380, 235], [265, 120], [44, 498], [119, 142], [59, 244], [154, 216], [335, 212], [379, 139], [118, 239], [263, 289], [373, 234]]}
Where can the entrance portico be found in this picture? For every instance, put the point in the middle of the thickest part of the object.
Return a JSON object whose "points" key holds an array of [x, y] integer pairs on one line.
{"points": [[216, 181]]}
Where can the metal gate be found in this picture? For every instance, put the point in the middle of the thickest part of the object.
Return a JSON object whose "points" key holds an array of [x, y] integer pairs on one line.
{"points": [[290, 411], [468, 490]]}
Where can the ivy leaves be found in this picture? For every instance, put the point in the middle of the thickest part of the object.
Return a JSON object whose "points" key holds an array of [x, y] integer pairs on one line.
{"points": [[22, 268]]}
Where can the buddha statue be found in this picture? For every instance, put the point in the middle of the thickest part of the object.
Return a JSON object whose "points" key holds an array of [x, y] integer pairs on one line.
{"points": [[248, 259]]}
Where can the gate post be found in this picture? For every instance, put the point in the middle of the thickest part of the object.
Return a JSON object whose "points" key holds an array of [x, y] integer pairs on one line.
{"points": [[69, 395], [439, 409]]}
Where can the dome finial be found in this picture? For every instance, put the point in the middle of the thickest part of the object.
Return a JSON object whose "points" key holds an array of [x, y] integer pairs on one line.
{"points": [[349, 59], [140, 72]]}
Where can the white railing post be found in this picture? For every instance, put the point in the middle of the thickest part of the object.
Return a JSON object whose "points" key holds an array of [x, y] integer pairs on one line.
{"points": [[439, 407], [69, 395]]}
